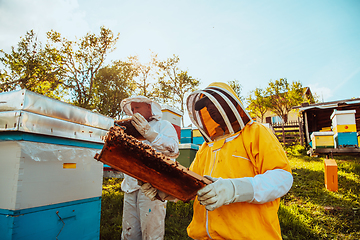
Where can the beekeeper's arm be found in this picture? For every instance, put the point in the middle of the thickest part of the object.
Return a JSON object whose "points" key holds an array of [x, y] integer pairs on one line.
{"points": [[260, 189], [163, 139], [155, 194]]}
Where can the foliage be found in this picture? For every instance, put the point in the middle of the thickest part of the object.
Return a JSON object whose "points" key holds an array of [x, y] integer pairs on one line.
{"points": [[236, 86], [81, 60], [257, 103], [32, 67], [145, 73], [282, 96], [112, 84], [174, 84], [178, 218], [111, 209]]}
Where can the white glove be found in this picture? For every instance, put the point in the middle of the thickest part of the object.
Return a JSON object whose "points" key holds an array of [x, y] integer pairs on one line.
{"points": [[149, 191], [143, 127], [225, 191], [154, 193]]}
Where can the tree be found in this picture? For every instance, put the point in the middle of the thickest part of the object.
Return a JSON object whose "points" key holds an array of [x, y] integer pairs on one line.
{"points": [[174, 84], [282, 96], [257, 103], [112, 84], [145, 72], [81, 60], [31, 67], [236, 86]]}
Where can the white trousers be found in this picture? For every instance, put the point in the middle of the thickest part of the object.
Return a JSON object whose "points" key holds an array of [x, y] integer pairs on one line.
{"points": [[143, 219]]}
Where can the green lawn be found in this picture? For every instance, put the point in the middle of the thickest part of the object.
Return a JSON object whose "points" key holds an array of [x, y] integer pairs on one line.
{"points": [[308, 211]]}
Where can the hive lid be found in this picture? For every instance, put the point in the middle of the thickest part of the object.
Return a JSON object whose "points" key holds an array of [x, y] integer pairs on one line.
{"points": [[32, 102], [321, 134], [341, 112]]}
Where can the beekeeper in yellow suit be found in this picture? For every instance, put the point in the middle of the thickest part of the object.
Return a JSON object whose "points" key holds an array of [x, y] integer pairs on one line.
{"points": [[248, 167]]}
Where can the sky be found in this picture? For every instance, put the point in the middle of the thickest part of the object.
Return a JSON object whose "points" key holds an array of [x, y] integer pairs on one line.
{"points": [[314, 42]]}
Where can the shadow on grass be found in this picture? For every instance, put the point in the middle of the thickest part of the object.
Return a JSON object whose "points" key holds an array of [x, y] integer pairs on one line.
{"points": [[316, 212]]}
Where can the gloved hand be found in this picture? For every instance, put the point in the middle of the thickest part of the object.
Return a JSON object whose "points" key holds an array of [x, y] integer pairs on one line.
{"points": [[143, 127], [225, 191], [149, 191], [154, 193]]}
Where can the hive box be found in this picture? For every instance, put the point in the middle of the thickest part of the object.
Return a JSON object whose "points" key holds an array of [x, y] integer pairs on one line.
{"points": [[343, 117], [187, 154], [331, 176], [186, 135], [322, 140], [174, 116], [346, 139], [49, 182]]}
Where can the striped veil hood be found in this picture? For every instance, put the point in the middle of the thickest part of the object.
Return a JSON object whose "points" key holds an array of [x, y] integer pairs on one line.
{"points": [[217, 92]]}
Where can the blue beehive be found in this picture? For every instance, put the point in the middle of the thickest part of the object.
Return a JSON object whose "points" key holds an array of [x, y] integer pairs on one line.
{"points": [[346, 139], [50, 183]]}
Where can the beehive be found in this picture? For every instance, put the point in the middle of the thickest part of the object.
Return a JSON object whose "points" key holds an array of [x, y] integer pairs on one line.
{"points": [[344, 128], [50, 184], [322, 140]]}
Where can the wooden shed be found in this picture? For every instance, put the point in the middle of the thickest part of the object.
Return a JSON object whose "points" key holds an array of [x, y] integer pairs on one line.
{"points": [[318, 116]]}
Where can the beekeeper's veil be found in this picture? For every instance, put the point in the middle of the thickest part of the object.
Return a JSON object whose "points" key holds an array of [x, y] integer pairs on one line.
{"points": [[217, 92], [155, 107]]}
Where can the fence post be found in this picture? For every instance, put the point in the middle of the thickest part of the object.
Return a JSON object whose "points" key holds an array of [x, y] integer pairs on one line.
{"points": [[283, 132], [301, 132]]}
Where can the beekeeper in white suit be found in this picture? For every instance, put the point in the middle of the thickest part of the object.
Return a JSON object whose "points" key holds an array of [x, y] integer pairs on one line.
{"points": [[143, 218]]}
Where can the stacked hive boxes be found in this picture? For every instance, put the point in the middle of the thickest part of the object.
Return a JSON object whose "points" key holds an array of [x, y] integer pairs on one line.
{"points": [[50, 183], [197, 137], [344, 128]]}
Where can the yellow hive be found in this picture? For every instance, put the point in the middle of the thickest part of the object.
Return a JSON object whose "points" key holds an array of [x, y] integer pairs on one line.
{"points": [[322, 140]]}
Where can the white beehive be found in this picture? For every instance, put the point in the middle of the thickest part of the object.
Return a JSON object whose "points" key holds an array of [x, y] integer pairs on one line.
{"points": [[48, 173]]}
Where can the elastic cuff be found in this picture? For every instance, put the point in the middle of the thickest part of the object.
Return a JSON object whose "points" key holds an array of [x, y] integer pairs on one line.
{"points": [[244, 190], [150, 135]]}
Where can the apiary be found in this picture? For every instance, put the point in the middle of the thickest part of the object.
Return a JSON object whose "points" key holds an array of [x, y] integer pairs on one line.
{"points": [[49, 182]]}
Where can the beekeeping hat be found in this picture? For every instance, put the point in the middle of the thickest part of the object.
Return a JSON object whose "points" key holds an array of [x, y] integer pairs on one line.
{"points": [[155, 107]]}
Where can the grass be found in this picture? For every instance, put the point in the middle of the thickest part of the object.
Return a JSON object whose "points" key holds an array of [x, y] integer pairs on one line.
{"points": [[308, 211]]}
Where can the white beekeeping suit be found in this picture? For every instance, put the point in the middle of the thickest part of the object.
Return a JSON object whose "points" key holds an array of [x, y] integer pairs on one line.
{"points": [[143, 218]]}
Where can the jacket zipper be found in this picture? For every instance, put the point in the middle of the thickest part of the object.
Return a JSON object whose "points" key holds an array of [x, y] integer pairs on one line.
{"points": [[207, 214]]}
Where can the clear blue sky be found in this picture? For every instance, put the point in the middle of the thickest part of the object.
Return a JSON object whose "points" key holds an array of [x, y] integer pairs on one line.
{"points": [[316, 42]]}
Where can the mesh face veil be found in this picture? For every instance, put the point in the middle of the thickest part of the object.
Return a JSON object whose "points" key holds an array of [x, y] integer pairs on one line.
{"points": [[233, 114]]}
